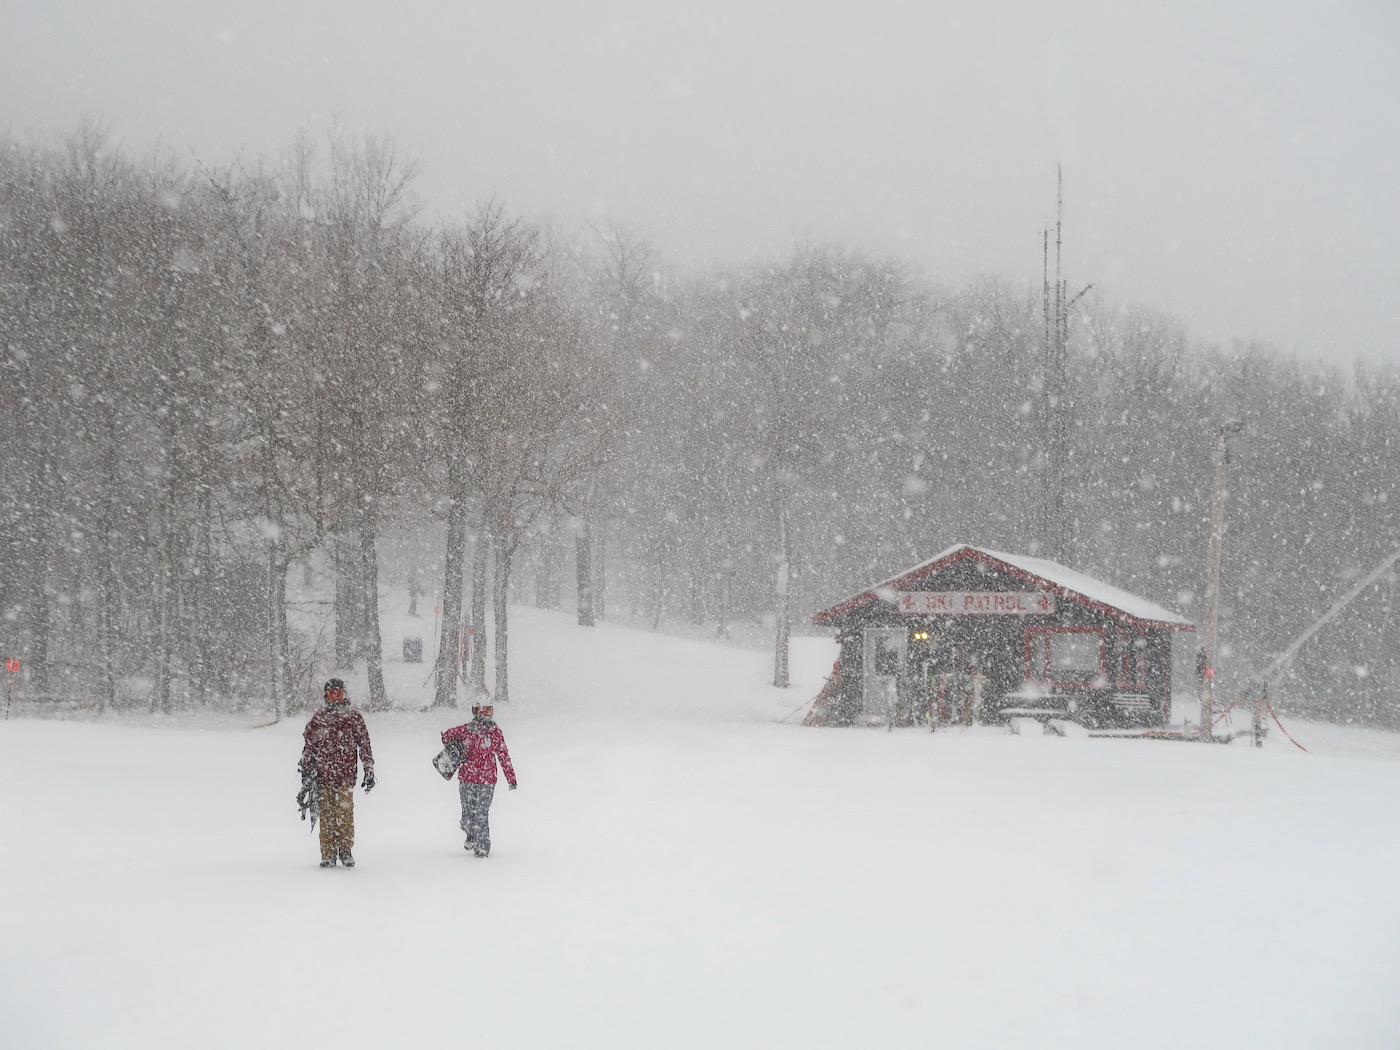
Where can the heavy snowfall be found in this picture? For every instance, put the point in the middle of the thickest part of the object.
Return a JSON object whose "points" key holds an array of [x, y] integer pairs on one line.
{"points": [[218, 382], [686, 866], [597, 363]]}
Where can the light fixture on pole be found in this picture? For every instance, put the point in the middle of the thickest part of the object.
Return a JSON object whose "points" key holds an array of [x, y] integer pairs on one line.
{"points": [[1217, 537]]}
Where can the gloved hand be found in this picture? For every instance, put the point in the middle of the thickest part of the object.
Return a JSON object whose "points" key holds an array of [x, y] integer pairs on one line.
{"points": [[512, 787], [368, 784]]}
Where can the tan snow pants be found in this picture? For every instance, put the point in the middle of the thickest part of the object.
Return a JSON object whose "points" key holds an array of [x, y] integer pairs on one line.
{"points": [[337, 820]]}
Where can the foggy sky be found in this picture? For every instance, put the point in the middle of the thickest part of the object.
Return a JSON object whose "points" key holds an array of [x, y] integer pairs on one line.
{"points": [[1235, 163]]}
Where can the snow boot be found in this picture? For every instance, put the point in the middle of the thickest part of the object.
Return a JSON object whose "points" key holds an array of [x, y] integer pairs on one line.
{"points": [[346, 858], [470, 843], [330, 863]]}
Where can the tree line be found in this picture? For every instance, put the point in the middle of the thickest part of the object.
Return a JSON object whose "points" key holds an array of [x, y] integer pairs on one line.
{"points": [[214, 379]]}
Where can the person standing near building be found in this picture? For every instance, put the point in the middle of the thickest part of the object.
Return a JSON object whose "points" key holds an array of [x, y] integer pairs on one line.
{"points": [[483, 746], [336, 740]]}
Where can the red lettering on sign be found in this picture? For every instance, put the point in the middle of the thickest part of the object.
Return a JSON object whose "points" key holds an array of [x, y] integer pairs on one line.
{"points": [[975, 603]]}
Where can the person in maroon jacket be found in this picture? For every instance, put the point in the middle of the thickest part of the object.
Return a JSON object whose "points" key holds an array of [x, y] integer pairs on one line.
{"points": [[335, 738], [483, 746]]}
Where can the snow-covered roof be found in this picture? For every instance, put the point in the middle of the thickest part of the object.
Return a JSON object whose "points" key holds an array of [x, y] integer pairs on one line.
{"points": [[1062, 581]]}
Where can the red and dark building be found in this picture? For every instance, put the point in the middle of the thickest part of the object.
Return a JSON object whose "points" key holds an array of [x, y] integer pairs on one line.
{"points": [[972, 635]]}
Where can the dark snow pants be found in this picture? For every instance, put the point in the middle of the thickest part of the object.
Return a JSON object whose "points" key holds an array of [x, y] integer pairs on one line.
{"points": [[476, 805]]}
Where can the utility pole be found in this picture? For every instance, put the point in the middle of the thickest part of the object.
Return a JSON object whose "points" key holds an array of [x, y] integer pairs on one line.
{"points": [[1055, 527], [1055, 432], [1217, 539]]}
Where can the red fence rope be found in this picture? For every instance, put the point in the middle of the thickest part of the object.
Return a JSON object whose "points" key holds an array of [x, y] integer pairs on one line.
{"points": [[1299, 746], [1222, 714]]}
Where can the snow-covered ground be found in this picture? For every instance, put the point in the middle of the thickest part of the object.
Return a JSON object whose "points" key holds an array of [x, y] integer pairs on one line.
{"points": [[681, 869]]}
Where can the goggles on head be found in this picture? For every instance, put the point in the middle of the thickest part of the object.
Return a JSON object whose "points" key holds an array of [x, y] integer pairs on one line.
{"points": [[335, 694]]}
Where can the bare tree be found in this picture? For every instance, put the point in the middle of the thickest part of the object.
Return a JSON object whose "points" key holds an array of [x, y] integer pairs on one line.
{"points": [[485, 270], [361, 221]]}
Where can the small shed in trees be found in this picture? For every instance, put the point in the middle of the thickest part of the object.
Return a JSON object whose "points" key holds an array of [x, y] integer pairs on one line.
{"points": [[973, 634]]}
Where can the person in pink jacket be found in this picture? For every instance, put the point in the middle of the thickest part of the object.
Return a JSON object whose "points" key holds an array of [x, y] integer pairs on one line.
{"points": [[483, 745]]}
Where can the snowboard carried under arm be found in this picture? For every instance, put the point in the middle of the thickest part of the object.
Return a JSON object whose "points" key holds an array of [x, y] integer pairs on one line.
{"points": [[449, 759], [309, 797]]}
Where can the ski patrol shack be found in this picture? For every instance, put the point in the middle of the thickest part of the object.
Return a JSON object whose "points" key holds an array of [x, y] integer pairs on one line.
{"points": [[976, 635]]}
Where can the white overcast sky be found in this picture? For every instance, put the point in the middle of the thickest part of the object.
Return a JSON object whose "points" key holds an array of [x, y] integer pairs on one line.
{"points": [[1235, 162]]}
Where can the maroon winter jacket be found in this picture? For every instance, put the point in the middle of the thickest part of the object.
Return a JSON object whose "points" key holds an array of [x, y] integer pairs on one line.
{"points": [[334, 736], [483, 744]]}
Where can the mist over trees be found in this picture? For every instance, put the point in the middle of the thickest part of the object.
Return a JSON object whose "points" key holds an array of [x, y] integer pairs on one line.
{"points": [[226, 395]]}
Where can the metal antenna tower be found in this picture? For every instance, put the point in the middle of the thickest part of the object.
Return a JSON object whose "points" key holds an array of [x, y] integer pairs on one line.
{"points": [[1055, 527]]}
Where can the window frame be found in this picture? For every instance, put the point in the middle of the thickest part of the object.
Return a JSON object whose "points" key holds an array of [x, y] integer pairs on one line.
{"points": [[1038, 665], [1132, 659]]}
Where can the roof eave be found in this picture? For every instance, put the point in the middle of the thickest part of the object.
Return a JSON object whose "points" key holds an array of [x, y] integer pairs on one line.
{"points": [[964, 551]]}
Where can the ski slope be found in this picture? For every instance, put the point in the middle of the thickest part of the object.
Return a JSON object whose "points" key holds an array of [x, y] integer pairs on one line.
{"points": [[681, 869]]}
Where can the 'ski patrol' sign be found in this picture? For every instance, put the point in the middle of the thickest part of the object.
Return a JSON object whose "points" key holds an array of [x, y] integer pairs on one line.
{"points": [[976, 603]]}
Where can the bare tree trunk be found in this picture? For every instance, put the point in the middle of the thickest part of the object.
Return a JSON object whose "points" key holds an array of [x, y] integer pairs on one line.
{"points": [[600, 575], [160, 696], [542, 553], [478, 672], [108, 594], [502, 587], [40, 607], [784, 595], [284, 641], [344, 604], [662, 593], [276, 620], [205, 571], [446, 672], [583, 571], [179, 632], [726, 587], [107, 622], [373, 642], [40, 680], [557, 551]]}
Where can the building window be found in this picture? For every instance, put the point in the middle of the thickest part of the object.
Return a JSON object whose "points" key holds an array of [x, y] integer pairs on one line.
{"points": [[885, 649], [1065, 656], [1132, 669]]}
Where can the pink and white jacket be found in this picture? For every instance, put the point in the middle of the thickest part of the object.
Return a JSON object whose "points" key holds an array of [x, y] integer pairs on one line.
{"points": [[485, 746]]}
